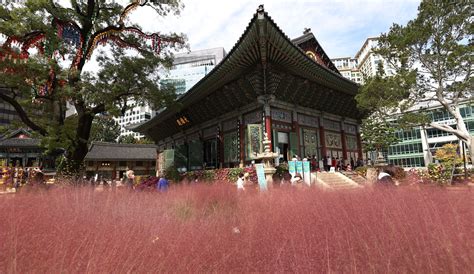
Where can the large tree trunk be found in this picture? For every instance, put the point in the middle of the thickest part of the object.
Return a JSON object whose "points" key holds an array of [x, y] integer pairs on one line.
{"points": [[470, 148], [77, 153]]}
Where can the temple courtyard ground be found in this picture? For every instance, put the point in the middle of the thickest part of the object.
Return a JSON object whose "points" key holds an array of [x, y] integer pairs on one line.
{"points": [[212, 228]]}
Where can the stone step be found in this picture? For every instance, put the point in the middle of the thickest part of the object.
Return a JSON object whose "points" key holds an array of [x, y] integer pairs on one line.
{"points": [[336, 181]]}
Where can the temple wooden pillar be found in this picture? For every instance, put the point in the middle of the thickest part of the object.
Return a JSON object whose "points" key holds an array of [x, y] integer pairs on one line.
{"points": [[296, 128], [343, 141], [268, 124], [265, 100], [242, 142], [220, 145], [322, 139], [359, 146], [114, 170]]}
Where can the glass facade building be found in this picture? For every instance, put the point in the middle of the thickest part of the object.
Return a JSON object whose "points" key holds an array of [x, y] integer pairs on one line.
{"points": [[7, 113], [189, 68], [416, 147]]}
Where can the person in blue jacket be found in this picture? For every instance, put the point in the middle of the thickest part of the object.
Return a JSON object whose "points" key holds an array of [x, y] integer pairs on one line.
{"points": [[162, 184]]}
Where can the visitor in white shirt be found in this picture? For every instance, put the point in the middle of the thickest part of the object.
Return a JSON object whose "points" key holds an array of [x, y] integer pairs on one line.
{"points": [[240, 182]]}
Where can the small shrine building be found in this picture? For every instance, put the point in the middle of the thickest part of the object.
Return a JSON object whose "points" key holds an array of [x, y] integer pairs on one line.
{"points": [[288, 89], [20, 148]]}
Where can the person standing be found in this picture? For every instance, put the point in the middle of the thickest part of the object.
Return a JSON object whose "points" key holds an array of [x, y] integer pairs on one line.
{"points": [[314, 163], [130, 178], [15, 177], [162, 183], [240, 182]]}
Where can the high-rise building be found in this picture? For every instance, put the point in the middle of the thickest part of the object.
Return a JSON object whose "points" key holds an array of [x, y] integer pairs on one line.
{"points": [[364, 64], [368, 61], [135, 115], [417, 145], [7, 113], [188, 68], [348, 67]]}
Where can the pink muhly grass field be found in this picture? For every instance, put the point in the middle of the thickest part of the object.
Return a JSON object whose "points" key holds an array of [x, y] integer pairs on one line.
{"points": [[212, 228]]}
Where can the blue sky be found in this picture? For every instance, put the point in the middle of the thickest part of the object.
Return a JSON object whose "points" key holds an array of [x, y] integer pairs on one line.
{"points": [[341, 27]]}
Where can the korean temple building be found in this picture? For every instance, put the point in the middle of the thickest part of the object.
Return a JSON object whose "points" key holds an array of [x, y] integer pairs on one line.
{"points": [[288, 89], [20, 148]]}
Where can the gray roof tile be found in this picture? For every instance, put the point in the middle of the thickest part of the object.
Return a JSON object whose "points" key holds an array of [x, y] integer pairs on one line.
{"points": [[117, 152]]}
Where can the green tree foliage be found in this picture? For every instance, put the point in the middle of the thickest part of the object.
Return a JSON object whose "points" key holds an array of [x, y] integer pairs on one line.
{"points": [[104, 129], [377, 134], [449, 154], [47, 45], [432, 56], [127, 139], [144, 141]]}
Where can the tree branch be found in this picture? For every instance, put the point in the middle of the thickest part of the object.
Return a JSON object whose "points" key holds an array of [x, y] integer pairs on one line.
{"points": [[23, 115], [98, 109], [77, 8], [461, 135]]}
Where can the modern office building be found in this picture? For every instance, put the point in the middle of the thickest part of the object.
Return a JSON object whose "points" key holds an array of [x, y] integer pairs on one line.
{"points": [[8, 114], [135, 115], [418, 145], [368, 61], [268, 85], [188, 68], [348, 67]]}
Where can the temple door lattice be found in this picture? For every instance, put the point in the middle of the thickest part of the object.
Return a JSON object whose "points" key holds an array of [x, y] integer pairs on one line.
{"points": [[310, 143], [254, 140], [231, 148]]}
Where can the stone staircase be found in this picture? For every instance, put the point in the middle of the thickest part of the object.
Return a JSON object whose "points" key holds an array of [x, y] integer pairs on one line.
{"points": [[355, 177], [335, 181]]}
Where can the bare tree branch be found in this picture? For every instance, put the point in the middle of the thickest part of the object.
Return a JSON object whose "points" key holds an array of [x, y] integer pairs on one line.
{"points": [[23, 115], [461, 135]]}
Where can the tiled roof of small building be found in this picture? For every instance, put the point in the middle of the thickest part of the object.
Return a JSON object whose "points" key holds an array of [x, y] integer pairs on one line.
{"points": [[20, 142], [19, 138], [99, 151]]}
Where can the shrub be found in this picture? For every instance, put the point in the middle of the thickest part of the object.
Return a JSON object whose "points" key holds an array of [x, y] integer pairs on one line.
{"points": [[396, 172], [448, 155], [171, 173], [282, 170], [440, 173], [209, 175], [233, 173], [222, 175], [361, 170]]}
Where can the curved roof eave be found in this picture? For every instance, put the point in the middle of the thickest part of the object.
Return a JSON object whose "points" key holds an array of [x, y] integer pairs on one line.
{"points": [[218, 75]]}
